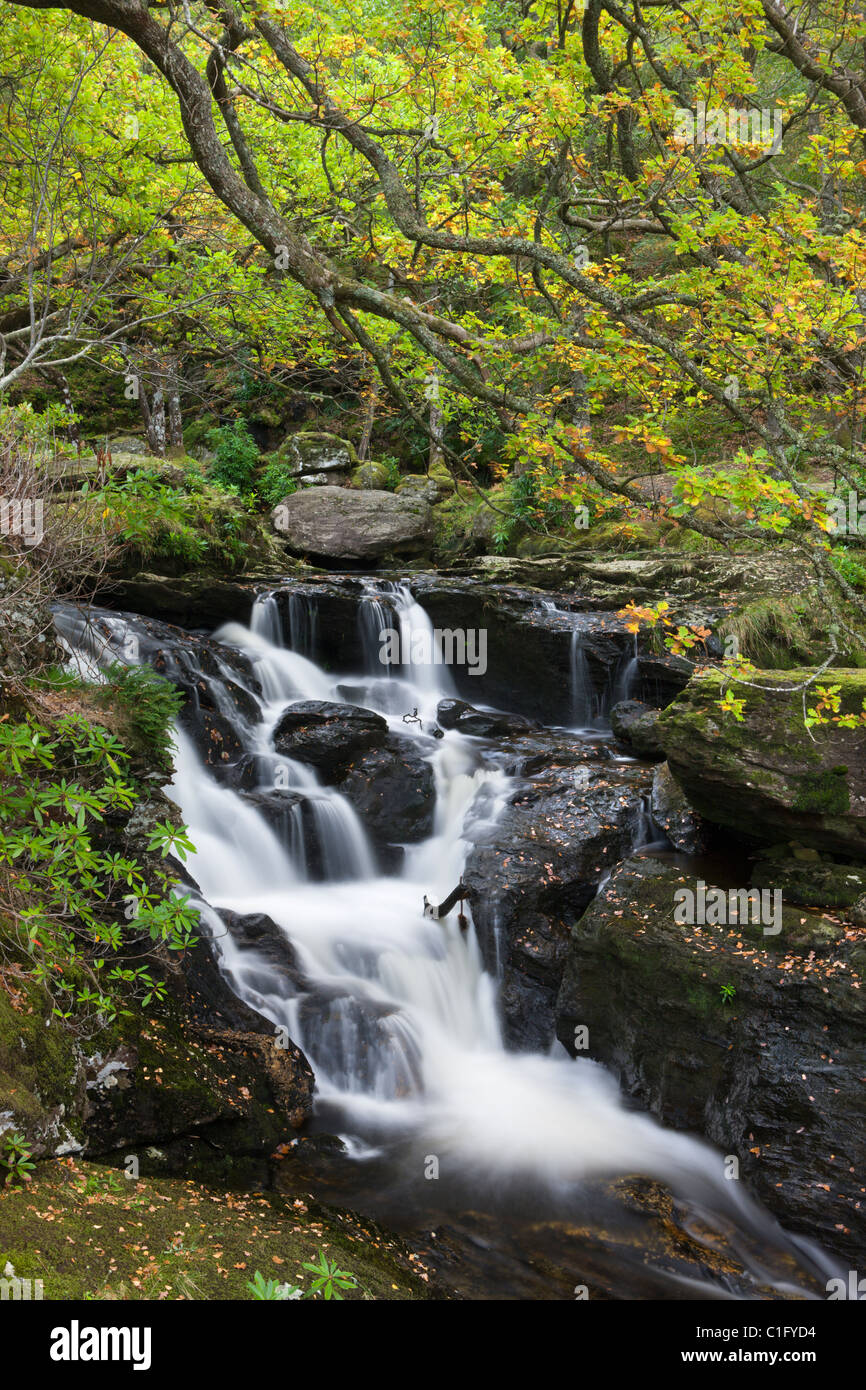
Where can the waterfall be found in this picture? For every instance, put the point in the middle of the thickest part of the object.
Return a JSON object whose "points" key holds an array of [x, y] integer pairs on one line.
{"points": [[303, 624], [584, 700], [626, 676], [398, 1014], [375, 617], [265, 619], [648, 833], [390, 607]]}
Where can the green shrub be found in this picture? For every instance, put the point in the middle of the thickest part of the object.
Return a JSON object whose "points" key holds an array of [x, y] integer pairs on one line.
{"points": [[72, 902], [236, 455], [188, 525], [849, 566], [526, 502], [151, 705], [276, 481], [392, 470]]}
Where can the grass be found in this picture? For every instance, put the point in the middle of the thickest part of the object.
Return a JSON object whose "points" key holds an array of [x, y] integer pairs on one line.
{"points": [[774, 633]]}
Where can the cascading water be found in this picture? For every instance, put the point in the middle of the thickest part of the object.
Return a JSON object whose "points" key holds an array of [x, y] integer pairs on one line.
{"points": [[399, 1016], [420, 657], [303, 624], [626, 676], [585, 703], [588, 706], [265, 620]]}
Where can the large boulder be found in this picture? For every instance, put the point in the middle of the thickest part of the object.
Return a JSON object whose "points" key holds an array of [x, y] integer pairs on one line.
{"points": [[768, 776], [343, 524], [328, 736], [753, 1040], [392, 789]]}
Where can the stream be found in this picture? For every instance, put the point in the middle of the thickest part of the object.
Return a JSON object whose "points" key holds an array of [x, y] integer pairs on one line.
{"points": [[505, 1166]]}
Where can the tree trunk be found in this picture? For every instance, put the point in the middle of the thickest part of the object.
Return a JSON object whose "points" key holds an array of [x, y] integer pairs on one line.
{"points": [[175, 418], [369, 420]]}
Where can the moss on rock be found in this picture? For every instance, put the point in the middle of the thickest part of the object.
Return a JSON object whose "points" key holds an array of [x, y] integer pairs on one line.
{"points": [[767, 776]]}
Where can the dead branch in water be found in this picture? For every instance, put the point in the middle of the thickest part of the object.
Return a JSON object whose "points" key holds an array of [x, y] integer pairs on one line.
{"points": [[460, 894]]}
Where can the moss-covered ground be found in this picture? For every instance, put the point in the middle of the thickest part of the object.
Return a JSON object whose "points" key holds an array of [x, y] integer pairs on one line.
{"points": [[89, 1232]]}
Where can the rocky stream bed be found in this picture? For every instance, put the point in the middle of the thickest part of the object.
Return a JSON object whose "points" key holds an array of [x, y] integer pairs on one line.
{"points": [[573, 787]]}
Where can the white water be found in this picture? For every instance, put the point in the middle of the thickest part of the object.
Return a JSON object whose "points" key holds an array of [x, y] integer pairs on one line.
{"points": [[402, 1026]]}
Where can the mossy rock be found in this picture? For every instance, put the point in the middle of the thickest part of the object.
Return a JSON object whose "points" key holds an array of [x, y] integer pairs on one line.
{"points": [[812, 884], [420, 485], [371, 476], [767, 776], [128, 444], [310, 452], [622, 535], [267, 416], [440, 474], [42, 1083]]}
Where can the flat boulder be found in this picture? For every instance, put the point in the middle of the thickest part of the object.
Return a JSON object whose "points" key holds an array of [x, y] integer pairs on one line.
{"points": [[482, 723], [347, 524]]}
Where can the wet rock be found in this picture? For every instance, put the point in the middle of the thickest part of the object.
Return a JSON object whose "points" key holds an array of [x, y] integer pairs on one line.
{"points": [[635, 725], [205, 1063], [328, 736], [259, 933], [190, 600], [393, 791], [812, 884], [772, 1076], [466, 719], [201, 1065], [768, 777], [672, 811], [533, 874], [344, 525], [218, 683], [237, 1091]]}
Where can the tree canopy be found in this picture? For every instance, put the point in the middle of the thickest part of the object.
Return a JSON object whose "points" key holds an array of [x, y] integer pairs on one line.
{"points": [[602, 234]]}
